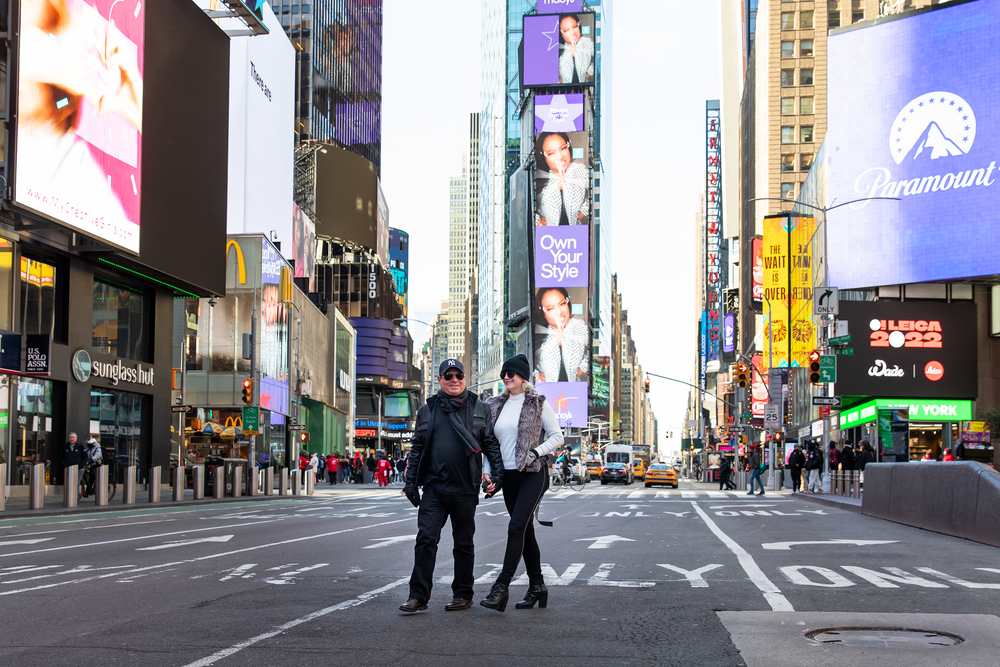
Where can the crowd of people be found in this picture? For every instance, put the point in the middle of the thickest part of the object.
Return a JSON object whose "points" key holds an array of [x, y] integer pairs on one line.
{"points": [[338, 468]]}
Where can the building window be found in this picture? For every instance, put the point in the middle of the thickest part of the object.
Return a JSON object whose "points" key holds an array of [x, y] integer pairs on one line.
{"points": [[788, 134], [806, 77], [805, 161], [788, 20], [805, 105], [788, 190], [787, 106], [806, 48], [833, 20], [119, 321], [787, 163], [806, 134], [787, 77], [857, 16], [788, 49], [38, 297], [805, 20]]}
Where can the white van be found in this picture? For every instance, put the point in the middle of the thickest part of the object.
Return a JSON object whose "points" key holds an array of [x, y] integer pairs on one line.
{"points": [[619, 454]]}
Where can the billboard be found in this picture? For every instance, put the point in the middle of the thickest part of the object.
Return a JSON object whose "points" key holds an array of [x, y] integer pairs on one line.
{"points": [[562, 256], [78, 152], [561, 335], [562, 178], [909, 349], [559, 49], [600, 391], [555, 6], [304, 246], [715, 260], [922, 126], [757, 295], [347, 198], [519, 212], [568, 401], [559, 113], [787, 263], [399, 265]]}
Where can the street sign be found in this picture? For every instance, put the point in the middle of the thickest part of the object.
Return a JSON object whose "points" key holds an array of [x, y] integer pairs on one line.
{"points": [[824, 411], [734, 429], [828, 368], [843, 351], [746, 415], [840, 340], [180, 408], [832, 401], [826, 301], [251, 419], [296, 427]]}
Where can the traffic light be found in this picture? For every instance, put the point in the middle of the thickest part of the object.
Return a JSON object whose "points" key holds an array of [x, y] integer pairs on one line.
{"points": [[248, 391], [742, 378], [303, 436], [814, 367], [647, 385]]}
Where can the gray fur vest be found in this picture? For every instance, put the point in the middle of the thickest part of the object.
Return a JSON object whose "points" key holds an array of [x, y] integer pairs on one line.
{"points": [[529, 426]]}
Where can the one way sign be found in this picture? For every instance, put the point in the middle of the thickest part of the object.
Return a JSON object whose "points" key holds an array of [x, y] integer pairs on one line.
{"points": [[826, 301]]}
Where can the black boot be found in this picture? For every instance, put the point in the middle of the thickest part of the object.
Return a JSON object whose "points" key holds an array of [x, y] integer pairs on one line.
{"points": [[497, 599], [536, 593]]}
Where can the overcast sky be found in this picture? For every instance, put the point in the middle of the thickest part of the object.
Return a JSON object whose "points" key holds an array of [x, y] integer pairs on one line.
{"points": [[666, 65]]}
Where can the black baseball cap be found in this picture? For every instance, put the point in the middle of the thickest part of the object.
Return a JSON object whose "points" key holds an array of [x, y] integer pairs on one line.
{"points": [[450, 363]]}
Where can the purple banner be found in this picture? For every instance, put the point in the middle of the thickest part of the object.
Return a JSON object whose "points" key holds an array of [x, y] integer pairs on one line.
{"points": [[559, 6], [558, 113], [729, 333], [561, 256], [541, 50], [559, 49], [568, 401]]}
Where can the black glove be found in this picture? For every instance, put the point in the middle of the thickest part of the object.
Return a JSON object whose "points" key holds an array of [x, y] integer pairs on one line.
{"points": [[496, 489], [412, 495]]}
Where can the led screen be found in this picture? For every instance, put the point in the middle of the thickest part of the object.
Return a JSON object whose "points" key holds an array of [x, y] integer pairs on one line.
{"points": [[568, 401], [79, 132], [554, 6], [399, 266], [519, 214], [562, 179], [304, 246], [559, 49], [561, 335], [562, 256], [923, 125], [559, 113]]}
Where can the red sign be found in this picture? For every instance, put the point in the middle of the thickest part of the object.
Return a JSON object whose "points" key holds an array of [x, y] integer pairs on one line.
{"points": [[365, 433]]}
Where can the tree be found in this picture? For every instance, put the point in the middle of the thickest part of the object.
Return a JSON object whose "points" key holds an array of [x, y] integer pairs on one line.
{"points": [[992, 417]]}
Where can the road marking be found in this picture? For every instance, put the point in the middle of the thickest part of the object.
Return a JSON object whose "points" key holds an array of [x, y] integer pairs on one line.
{"points": [[677, 513], [240, 572], [43, 539], [286, 577], [834, 579], [693, 576], [600, 578], [184, 543], [281, 567], [720, 507], [955, 580], [882, 580], [771, 592], [553, 579], [787, 546], [603, 542], [386, 541], [41, 532]]}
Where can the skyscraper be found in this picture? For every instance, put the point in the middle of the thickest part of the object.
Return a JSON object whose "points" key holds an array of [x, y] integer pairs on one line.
{"points": [[458, 261]]}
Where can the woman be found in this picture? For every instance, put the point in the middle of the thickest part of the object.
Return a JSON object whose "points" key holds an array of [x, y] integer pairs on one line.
{"points": [[331, 468], [520, 415], [562, 356]]}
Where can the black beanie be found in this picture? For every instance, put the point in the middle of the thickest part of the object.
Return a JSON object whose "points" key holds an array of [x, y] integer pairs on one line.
{"points": [[518, 364]]}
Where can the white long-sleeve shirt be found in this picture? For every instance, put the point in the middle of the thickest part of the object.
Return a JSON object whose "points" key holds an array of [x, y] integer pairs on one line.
{"points": [[505, 430]]}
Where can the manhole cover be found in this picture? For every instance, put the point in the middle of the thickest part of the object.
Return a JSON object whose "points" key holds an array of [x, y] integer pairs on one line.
{"points": [[884, 637]]}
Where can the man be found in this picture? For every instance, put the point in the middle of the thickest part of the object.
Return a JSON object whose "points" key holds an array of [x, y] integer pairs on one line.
{"points": [[400, 468], [563, 200], [754, 468], [331, 468], [846, 457], [93, 458], [814, 463], [796, 461], [72, 454], [725, 467], [371, 464], [454, 430]]}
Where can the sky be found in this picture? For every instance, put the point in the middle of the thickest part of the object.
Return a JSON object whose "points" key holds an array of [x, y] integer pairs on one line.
{"points": [[665, 66]]}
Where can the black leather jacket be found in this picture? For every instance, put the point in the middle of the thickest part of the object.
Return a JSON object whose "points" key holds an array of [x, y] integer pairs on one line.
{"points": [[481, 427]]}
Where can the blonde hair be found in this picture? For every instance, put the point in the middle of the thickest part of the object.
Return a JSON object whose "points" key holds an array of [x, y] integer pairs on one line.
{"points": [[526, 385]]}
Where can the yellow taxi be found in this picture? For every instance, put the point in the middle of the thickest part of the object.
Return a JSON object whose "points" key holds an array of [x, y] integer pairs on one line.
{"points": [[594, 468], [639, 469], [661, 473]]}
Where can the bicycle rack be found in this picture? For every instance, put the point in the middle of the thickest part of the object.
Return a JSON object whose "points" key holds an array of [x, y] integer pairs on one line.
{"points": [[154, 484], [178, 483], [128, 489], [101, 490], [71, 485], [36, 487]]}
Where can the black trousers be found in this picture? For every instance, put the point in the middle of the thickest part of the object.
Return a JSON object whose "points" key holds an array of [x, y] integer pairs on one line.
{"points": [[796, 479], [435, 508], [522, 491]]}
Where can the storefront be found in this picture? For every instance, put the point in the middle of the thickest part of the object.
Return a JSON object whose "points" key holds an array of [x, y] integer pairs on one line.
{"points": [[909, 429]]}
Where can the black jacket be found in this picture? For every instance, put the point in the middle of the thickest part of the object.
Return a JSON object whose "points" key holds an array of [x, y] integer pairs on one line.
{"points": [[814, 460], [866, 456], [480, 423], [797, 459], [73, 455], [847, 458]]}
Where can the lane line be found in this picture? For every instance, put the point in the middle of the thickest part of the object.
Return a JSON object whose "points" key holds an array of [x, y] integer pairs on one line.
{"points": [[353, 602], [771, 592]]}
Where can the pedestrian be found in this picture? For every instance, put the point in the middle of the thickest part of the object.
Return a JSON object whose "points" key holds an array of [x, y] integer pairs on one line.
{"points": [[520, 415], [401, 468], [847, 457], [93, 458], [724, 469], [345, 469], [960, 451], [383, 469], [72, 454], [331, 469], [834, 455], [948, 456], [867, 455], [454, 430], [755, 467], [371, 464], [358, 467], [796, 461], [314, 466], [814, 463]]}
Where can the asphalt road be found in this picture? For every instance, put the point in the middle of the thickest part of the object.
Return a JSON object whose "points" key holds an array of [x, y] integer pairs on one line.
{"points": [[635, 576]]}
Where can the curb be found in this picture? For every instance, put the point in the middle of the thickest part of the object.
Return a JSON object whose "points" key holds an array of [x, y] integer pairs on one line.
{"points": [[69, 511], [829, 503]]}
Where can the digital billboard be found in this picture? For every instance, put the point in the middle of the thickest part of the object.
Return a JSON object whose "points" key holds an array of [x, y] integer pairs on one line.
{"points": [[399, 265], [562, 179], [559, 113], [554, 6], [78, 152], [304, 246], [562, 256], [559, 49], [561, 335], [787, 265], [519, 214], [600, 391], [568, 401], [757, 294], [922, 126], [909, 349]]}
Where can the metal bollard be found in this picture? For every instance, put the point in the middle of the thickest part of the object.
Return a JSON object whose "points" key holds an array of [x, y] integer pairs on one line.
{"points": [[254, 477], [101, 487], [269, 482], [838, 483], [296, 480], [128, 488], [238, 481], [856, 481], [310, 482], [154, 484], [36, 487], [198, 482], [71, 485], [178, 483], [3, 486], [218, 481], [283, 482]]}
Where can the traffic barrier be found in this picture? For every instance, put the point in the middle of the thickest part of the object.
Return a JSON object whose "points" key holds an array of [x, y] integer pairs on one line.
{"points": [[3, 486], [128, 488], [296, 481], [283, 482], [179, 475], [856, 483], [269, 481], [36, 487], [254, 478], [310, 482], [154, 484], [198, 482], [238, 481], [838, 478], [71, 485], [101, 486], [218, 482], [960, 498]]}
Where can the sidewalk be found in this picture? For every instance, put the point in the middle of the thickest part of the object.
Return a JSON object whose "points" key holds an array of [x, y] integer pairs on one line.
{"points": [[846, 503]]}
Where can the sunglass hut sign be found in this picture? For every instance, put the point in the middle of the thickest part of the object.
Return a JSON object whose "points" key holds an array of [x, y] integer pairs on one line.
{"points": [[118, 372]]}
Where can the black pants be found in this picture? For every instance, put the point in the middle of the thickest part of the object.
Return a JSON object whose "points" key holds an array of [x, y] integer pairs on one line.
{"points": [[522, 491], [435, 508], [332, 475], [724, 482], [796, 479]]}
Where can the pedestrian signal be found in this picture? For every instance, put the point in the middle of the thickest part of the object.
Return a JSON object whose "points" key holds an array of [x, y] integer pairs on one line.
{"points": [[814, 367], [248, 391], [303, 436]]}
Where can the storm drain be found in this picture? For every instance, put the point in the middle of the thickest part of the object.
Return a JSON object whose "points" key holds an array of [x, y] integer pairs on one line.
{"points": [[884, 638]]}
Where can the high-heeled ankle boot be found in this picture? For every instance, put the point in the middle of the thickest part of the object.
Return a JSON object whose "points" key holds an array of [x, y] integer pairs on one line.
{"points": [[497, 599], [536, 593]]}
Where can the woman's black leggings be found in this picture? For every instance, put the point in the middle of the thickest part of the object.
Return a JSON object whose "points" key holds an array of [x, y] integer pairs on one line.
{"points": [[522, 491]]}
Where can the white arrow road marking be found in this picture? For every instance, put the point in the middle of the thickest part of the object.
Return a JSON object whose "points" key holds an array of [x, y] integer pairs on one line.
{"points": [[386, 541], [553, 579], [787, 546], [693, 576], [184, 543], [7, 544], [600, 578], [603, 542], [286, 577]]}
